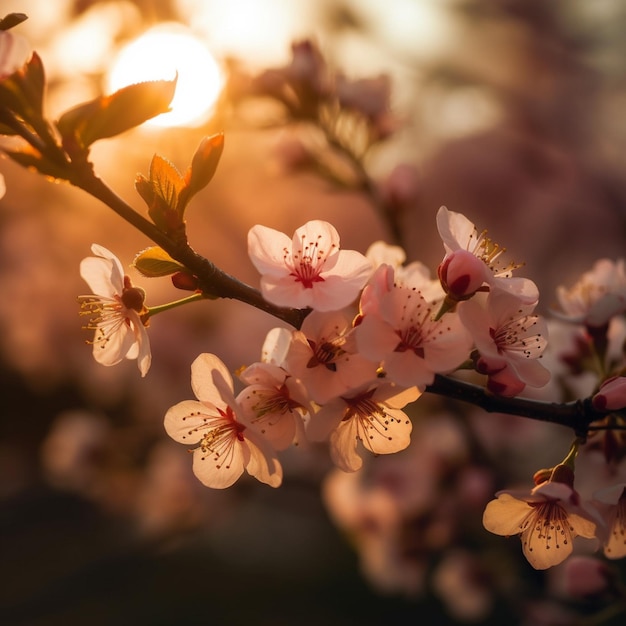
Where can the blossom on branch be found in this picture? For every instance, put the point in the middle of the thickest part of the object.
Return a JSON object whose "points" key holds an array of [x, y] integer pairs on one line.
{"points": [[370, 415], [473, 260], [226, 445], [507, 337], [273, 403], [547, 518], [116, 311], [308, 270], [398, 329], [323, 355]]}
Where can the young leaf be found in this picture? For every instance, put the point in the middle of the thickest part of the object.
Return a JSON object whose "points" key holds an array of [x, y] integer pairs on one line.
{"points": [[11, 20], [202, 168], [166, 180], [154, 262], [108, 116], [22, 91]]}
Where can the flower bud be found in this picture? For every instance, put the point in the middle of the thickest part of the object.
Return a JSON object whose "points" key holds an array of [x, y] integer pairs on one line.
{"points": [[186, 281], [612, 394], [461, 274]]}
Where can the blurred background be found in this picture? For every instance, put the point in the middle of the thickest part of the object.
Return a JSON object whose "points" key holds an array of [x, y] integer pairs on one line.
{"points": [[509, 111]]}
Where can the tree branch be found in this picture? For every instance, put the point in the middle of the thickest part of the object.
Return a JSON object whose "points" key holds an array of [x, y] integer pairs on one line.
{"points": [[577, 415]]}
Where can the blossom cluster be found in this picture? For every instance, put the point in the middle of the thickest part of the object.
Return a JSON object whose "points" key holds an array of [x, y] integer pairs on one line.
{"points": [[376, 334]]}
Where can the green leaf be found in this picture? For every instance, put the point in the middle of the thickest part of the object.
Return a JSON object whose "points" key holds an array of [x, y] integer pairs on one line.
{"points": [[108, 116], [154, 262], [166, 180], [12, 19]]}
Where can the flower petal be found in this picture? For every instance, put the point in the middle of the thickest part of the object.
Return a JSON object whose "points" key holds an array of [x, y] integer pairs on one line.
{"points": [[211, 381], [184, 421], [219, 472]]}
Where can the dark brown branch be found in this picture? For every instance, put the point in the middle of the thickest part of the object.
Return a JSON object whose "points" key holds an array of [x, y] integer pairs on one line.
{"points": [[577, 415], [213, 282]]}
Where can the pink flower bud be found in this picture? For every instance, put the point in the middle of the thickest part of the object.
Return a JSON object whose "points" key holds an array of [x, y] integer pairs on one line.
{"points": [[461, 274], [612, 394]]}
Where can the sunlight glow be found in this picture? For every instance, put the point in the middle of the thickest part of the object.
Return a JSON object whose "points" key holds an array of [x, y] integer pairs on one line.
{"points": [[160, 53]]}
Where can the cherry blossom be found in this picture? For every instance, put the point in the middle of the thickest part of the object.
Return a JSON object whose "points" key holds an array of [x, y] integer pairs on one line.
{"points": [[472, 260], [613, 502], [116, 311], [226, 445], [273, 403], [370, 415], [397, 327], [507, 336], [309, 270], [547, 518], [323, 355], [598, 295]]}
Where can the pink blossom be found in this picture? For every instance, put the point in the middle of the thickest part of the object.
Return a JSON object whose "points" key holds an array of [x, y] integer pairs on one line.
{"points": [[324, 357], [273, 403], [116, 310], [547, 518], [370, 415], [226, 445], [309, 270], [398, 329], [461, 275], [598, 295], [611, 395], [507, 336]]}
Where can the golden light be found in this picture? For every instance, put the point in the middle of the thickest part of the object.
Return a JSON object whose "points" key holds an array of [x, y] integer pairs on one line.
{"points": [[161, 53]]}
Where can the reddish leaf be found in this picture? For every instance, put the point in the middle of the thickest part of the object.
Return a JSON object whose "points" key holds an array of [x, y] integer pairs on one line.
{"points": [[202, 168]]}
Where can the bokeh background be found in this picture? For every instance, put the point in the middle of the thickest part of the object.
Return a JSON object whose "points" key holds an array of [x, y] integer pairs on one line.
{"points": [[509, 111]]}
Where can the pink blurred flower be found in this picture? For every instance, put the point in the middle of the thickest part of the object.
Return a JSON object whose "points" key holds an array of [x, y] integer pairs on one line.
{"points": [[598, 295], [309, 270], [227, 446], [15, 51], [586, 577], [613, 504], [117, 312], [371, 415]]}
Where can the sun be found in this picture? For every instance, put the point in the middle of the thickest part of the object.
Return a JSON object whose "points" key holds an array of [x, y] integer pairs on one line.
{"points": [[161, 53]]}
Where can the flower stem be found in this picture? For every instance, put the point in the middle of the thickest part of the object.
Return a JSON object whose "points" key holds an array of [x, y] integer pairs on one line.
{"points": [[154, 310]]}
